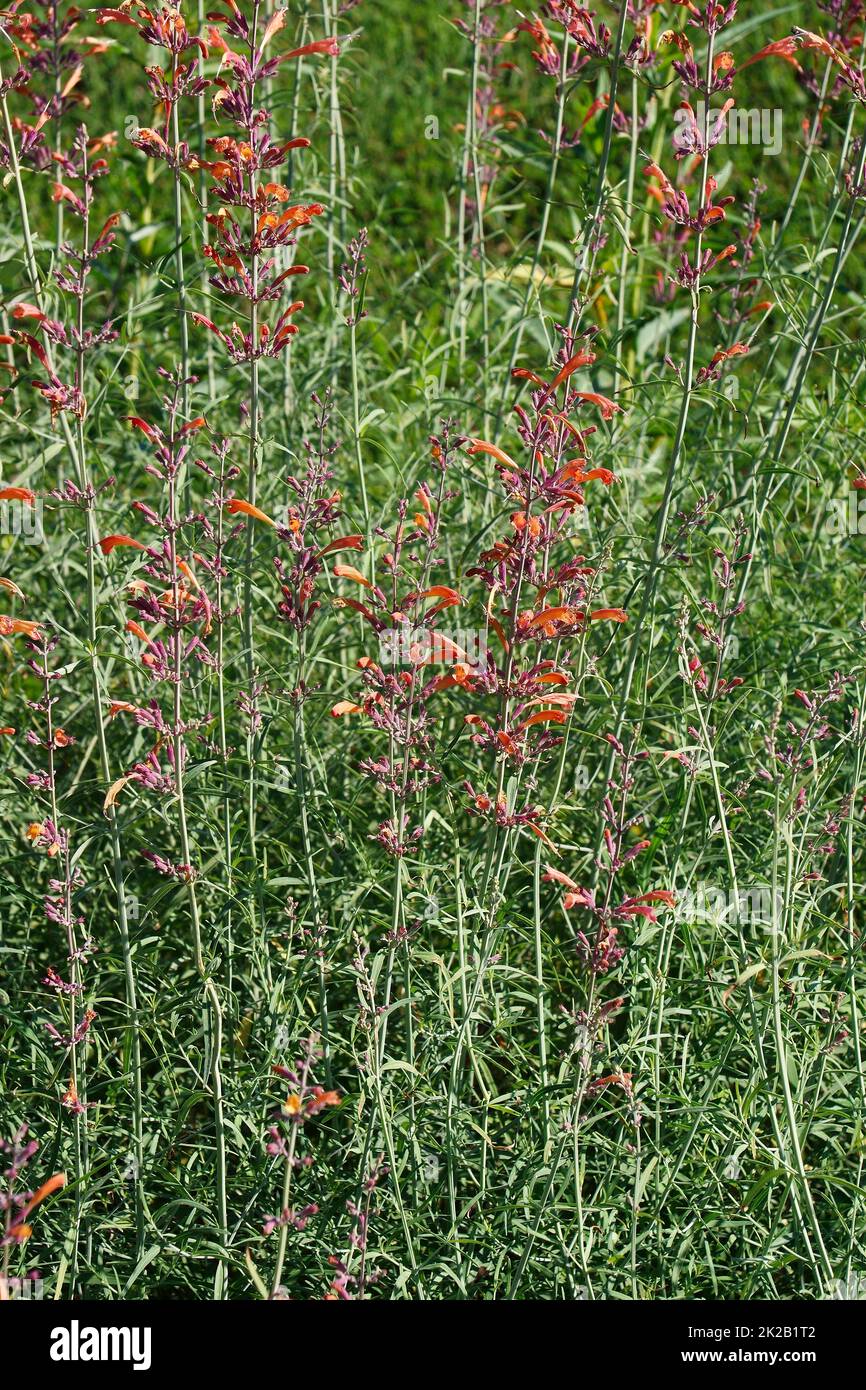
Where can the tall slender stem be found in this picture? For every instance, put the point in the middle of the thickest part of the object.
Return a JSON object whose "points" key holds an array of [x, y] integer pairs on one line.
{"points": [[210, 991]]}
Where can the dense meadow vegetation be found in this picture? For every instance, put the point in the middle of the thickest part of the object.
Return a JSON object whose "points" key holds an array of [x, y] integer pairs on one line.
{"points": [[431, 650]]}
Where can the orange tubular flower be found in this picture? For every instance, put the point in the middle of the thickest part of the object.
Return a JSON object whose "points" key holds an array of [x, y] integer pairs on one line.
{"points": [[192, 425], [548, 616], [292, 270], [613, 615], [519, 520], [806, 39], [342, 543], [480, 446], [237, 504], [603, 475], [146, 429], [21, 1230], [61, 194], [17, 494], [566, 700], [151, 139], [617, 1078], [655, 172], [121, 707], [13, 627], [543, 716], [443, 649], [543, 836], [342, 602], [723, 354], [449, 597], [35, 831], [349, 572], [557, 876], [461, 676], [584, 358], [524, 374], [137, 631], [28, 311], [330, 47], [109, 543], [345, 707], [608, 407]]}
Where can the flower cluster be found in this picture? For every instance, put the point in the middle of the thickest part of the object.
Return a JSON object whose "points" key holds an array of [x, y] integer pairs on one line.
{"points": [[351, 1280], [539, 589], [256, 217], [75, 189], [409, 600], [305, 1101]]}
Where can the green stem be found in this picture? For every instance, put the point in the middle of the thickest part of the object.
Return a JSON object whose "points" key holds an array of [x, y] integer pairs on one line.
{"points": [[210, 991]]}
